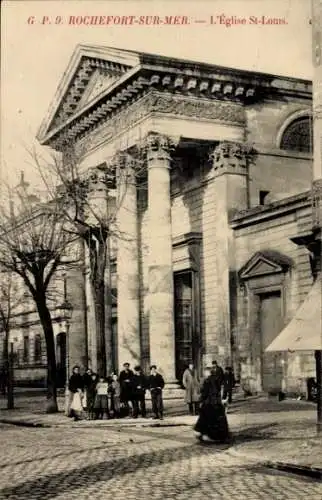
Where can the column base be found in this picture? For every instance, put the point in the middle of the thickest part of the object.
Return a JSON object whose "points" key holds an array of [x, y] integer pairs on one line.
{"points": [[172, 390]]}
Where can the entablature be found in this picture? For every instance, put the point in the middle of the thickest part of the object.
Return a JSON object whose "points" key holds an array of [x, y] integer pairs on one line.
{"points": [[99, 86]]}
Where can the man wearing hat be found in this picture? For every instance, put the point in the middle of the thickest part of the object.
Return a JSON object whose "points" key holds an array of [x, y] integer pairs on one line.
{"points": [[139, 385], [156, 384], [126, 379]]}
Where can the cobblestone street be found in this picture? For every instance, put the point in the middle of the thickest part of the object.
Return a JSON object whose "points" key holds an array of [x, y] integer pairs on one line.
{"points": [[154, 463]]}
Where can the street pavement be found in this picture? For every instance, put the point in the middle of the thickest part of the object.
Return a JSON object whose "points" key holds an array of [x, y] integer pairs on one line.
{"points": [[79, 462]]}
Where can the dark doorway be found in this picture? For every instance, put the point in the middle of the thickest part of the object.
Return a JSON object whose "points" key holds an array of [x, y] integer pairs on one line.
{"points": [[271, 323], [186, 341], [61, 359]]}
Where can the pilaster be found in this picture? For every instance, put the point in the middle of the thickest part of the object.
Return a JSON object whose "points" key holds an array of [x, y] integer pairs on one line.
{"points": [[227, 190]]}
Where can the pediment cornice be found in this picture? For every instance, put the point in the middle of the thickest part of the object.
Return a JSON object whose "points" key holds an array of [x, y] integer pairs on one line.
{"points": [[264, 263], [102, 81]]}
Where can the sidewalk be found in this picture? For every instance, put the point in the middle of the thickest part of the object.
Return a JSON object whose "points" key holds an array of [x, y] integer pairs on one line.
{"points": [[278, 434], [282, 440]]}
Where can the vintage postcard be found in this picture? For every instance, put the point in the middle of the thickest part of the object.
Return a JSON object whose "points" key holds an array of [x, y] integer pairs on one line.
{"points": [[160, 249]]}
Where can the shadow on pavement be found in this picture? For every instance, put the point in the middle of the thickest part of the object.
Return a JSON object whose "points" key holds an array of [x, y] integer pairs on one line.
{"points": [[49, 486], [254, 433], [44, 487]]}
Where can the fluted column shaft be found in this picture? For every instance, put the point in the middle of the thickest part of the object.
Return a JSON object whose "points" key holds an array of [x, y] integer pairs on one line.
{"points": [[161, 301], [128, 308]]}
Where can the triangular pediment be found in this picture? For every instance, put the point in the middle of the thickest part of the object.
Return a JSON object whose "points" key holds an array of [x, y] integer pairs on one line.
{"points": [[100, 80], [91, 71], [264, 263]]}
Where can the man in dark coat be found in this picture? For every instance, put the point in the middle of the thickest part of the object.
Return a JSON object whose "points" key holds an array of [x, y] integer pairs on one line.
{"points": [[218, 373], [125, 380], [229, 384], [90, 380], [156, 385], [139, 385]]}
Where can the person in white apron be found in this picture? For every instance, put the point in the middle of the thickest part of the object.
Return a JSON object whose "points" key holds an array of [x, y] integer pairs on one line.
{"points": [[76, 388]]}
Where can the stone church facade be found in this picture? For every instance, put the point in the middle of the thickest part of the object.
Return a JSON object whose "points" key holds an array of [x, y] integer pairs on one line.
{"points": [[210, 270]]}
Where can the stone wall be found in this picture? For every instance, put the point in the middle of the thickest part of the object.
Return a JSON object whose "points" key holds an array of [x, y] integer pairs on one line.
{"points": [[273, 232], [282, 173]]}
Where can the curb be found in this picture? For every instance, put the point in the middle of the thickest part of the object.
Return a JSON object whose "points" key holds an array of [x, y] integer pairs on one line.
{"points": [[300, 470], [23, 423]]}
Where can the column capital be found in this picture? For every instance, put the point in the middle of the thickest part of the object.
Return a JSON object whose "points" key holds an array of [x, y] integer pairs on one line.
{"points": [[159, 146], [232, 157], [122, 159], [125, 164], [96, 177]]}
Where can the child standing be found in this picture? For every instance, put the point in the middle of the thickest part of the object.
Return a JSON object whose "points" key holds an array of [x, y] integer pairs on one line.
{"points": [[115, 394], [101, 399], [156, 385]]}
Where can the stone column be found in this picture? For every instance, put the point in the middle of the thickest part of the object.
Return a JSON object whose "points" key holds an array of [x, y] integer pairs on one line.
{"points": [[98, 219], [128, 307], [75, 289], [161, 300]]}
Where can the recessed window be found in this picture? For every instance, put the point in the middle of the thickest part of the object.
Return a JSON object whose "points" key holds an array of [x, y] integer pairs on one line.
{"points": [[298, 136], [26, 349], [38, 348]]}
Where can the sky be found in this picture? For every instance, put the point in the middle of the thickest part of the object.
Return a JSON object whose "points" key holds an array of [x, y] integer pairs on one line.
{"points": [[34, 55]]}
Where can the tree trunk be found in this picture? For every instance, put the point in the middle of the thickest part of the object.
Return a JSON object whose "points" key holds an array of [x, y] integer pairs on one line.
{"points": [[46, 323], [109, 347], [10, 374], [98, 289], [97, 253]]}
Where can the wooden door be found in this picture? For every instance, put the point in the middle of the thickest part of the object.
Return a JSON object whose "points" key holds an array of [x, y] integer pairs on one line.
{"points": [[270, 326], [184, 327]]}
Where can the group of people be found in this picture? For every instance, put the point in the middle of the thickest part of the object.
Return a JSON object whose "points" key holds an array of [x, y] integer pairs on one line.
{"points": [[192, 385], [209, 400], [115, 396], [124, 395]]}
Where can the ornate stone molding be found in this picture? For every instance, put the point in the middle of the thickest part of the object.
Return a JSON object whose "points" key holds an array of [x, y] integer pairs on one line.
{"points": [[80, 82], [124, 165], [158, 146], [231, 157], [317, 204], [163, 104]]}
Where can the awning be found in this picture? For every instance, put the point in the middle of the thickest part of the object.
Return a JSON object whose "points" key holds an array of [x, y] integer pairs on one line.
{"points": [[304, 331]]}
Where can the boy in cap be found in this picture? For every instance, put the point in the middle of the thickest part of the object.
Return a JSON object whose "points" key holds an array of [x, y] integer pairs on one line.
{"points": [[156, 385], [139, 384], [125, 379]]}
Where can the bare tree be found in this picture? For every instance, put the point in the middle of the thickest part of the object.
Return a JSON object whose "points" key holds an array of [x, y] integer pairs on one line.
{"points": [[90, 202], [10, 303], [33, 244]]}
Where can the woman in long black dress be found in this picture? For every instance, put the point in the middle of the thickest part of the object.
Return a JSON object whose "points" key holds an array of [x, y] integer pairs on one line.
{"points": [[212, 423]]}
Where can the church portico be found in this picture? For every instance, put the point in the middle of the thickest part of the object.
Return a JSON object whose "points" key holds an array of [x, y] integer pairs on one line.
{"points": [[174, 135]]}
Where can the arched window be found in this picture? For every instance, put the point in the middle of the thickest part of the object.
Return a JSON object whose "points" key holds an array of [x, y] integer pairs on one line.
{"points": [[298, 136]]}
